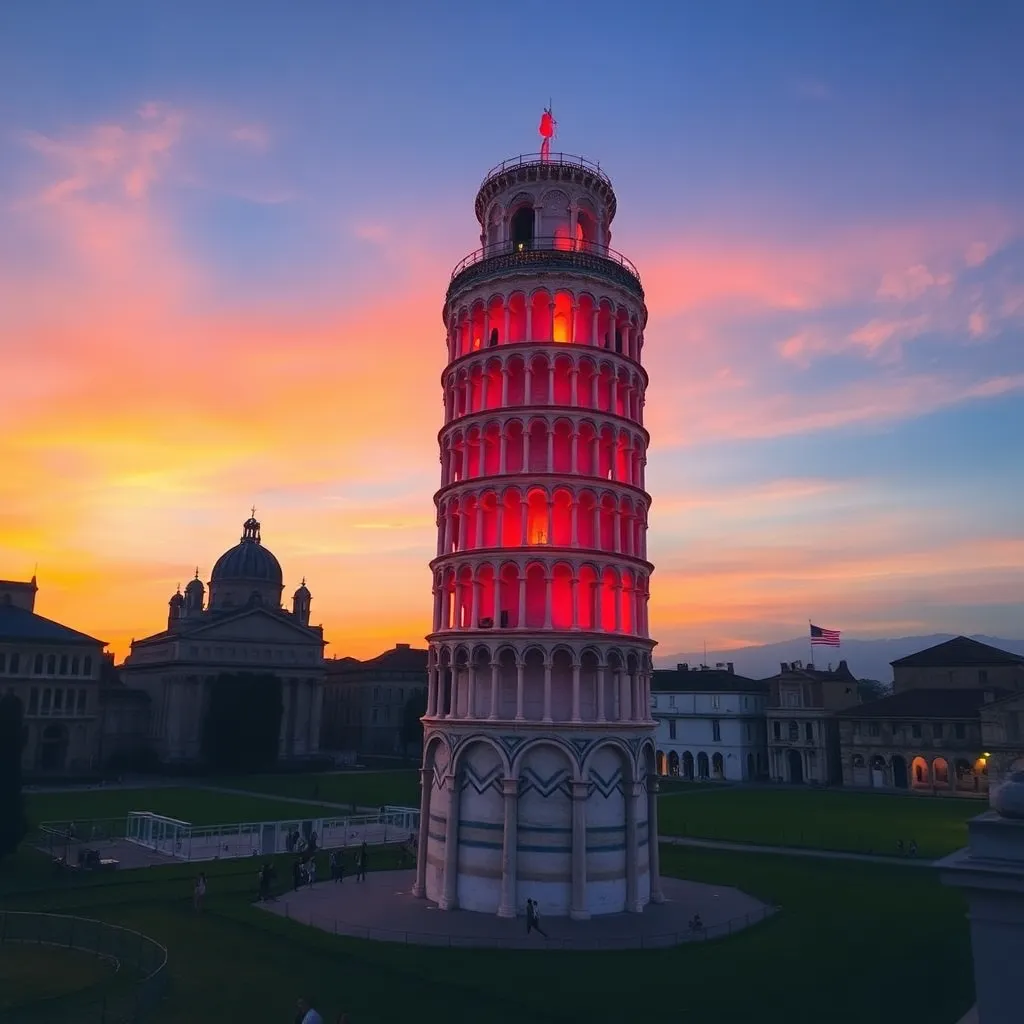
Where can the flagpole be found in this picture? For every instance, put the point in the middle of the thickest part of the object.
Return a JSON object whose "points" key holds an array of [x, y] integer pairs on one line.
{"points": [[810, 644]]}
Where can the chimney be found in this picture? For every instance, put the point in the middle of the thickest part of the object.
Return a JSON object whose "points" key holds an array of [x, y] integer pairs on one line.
{"points": [[729, 668], [843, 667], [784, 667], [401, 647]]}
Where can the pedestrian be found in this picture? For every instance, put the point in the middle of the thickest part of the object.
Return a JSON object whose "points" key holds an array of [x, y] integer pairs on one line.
{"points": [[199, 893], [311, 870], [533, 918], [332, 863], [296, 875], [361, 863], [306, 1014], [913, 848], [341, 867]]}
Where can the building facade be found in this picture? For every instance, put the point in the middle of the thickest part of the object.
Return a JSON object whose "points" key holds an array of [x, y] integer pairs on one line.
{"points": [[364, 701], [55, 672], [1002, 736], [538, 776], [710, 724], [241, 628], [959, 664], [803, 732], [929, 741]]}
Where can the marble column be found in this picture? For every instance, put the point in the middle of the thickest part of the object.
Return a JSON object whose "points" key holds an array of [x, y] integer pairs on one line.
{"points": [[450, 896], [652, 839], [578, 908], [419, 889], [634, 791], [509, 845]]}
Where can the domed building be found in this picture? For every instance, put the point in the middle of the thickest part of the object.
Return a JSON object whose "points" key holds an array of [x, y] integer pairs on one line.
{"points": [[236, 625]]}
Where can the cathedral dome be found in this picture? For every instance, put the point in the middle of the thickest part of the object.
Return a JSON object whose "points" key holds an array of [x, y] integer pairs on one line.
{"points": [[248, 560]]}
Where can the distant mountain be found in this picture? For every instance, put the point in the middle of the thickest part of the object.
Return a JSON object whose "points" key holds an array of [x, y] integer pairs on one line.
{"points": [[868, 659]]}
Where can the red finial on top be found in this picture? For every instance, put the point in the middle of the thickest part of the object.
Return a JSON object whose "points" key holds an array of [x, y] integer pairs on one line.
{"points": [[548, 124]]}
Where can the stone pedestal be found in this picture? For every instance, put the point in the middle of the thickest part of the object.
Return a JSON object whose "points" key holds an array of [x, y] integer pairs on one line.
{"points": [[991, 873]]}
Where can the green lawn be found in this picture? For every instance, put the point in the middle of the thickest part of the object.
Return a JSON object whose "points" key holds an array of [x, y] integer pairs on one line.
{"points": [[847, 947], [198, 806], [825, 819], [364, 788], [29, 973]]}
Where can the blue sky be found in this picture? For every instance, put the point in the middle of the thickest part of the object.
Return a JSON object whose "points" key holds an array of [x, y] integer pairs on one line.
{"points": [[239, 208]]}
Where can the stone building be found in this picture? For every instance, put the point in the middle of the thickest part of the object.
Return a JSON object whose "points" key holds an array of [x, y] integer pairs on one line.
{"points": [[710, 723], [55, 672], [241, 628], [364, 701], [960, 663], [935, 733], [1002, 736], [803, 734], [929, 741]]}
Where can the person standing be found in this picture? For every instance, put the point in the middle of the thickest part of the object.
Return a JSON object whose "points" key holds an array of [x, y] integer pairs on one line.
{"points": [[361, 864], [533, 918], [311, 871], [199, 893], [306, 1014]]}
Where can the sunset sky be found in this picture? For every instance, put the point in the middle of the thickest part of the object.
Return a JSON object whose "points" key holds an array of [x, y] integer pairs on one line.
{"points": [[226, 230]]}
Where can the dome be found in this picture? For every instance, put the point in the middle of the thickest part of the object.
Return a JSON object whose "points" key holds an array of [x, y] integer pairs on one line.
{"points": [[176, 600], [248, 560], [194, 584], [303, 590]]}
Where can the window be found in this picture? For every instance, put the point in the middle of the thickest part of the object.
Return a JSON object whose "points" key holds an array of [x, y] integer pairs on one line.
{"points": [[809, 732], [376, 693], [33, 701], [937, 730], [960, 730], [373, 717], [983, 676], [777, 730], [792, 699], [794, 732], [715, 700], [672, 701], [74, 664], [716, 730], [51, 664], [15, 661], [47, 696], [746, 703], [3, 661], [63, 665], [671, 728], [915, 730], [856, 728], [874, 730], [81, 701], [37, 665], [58, 700], [87, 666]]}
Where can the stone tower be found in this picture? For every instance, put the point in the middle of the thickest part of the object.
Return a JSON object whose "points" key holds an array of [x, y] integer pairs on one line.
{"points": [[538, 776]]}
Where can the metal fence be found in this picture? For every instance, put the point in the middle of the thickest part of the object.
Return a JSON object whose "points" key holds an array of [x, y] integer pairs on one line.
{"points": [[136, 985], [664, 940]]}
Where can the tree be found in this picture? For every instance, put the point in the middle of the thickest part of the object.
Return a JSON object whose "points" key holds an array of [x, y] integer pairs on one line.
{"points": [[412, 728], [13, 823], [242, 726], [872, 689]]}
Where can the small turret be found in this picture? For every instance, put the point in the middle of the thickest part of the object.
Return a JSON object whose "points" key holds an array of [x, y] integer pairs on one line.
{"points": [[175, 608], [300, 603], [195, 593]]}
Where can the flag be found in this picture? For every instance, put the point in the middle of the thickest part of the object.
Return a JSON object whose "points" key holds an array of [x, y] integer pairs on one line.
{"points": [[828, 637]]}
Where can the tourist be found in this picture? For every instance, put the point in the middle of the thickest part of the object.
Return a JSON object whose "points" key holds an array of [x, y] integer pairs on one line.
{"points": [[311, 870], [361, 863], [296, 874], [913, 848], [696, 924], [306, 1014], [332, 864], [341, 867], [533, 918], [199, 893]]}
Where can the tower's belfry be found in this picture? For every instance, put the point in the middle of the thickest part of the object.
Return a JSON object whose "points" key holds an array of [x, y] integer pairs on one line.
{"points": [[539, 759]]}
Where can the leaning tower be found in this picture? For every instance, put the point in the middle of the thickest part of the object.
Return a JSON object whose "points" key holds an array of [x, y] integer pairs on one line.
{"points": [[538, 777]]}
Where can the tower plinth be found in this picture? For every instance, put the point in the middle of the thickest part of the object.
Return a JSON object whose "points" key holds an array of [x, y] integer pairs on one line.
{"points": [[538, 776]]}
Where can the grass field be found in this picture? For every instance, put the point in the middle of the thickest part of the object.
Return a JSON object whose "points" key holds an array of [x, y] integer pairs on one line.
{"points": [[848, 947], [29, 973], [823, 819], [198, 806], [365, 788]]}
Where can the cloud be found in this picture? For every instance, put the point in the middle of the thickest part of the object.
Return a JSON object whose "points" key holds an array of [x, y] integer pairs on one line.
{"points": [[251, 135]]}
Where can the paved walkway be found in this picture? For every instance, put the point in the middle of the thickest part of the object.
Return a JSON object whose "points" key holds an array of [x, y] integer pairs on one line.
{"points": [[796, 851], [383, 908]]}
